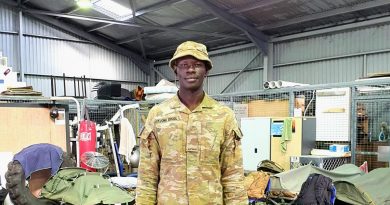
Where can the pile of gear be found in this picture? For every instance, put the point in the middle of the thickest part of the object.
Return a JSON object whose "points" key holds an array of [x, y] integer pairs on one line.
{"points": [[53, 179]]}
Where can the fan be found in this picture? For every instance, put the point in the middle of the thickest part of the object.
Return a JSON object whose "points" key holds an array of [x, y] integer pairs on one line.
{"points": [[94, 160]]}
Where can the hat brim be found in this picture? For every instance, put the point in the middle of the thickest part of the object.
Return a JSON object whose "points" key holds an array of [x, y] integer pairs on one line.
{"points": [[194, 53]]}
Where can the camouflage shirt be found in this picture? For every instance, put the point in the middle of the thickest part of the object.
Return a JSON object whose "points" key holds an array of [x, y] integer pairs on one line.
{"points": [[191, 157]]}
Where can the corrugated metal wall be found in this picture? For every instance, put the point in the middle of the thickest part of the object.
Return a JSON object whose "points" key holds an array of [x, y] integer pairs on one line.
{"points": [[348, 42], [9, 48], [54, 57], [49, 51], [378, 62], [165, 70], [338, 57], [34, 27], [236, 60], [8, 37], [249, 80], [8, 18], [331, 58], [226, 66], [330, 71]]}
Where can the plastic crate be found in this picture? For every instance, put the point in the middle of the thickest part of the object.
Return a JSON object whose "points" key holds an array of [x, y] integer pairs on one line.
{"points": [[324, 162]]}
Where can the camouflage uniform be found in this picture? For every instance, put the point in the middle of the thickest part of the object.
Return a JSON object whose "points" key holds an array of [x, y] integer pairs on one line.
{"points": [[191, 157]]}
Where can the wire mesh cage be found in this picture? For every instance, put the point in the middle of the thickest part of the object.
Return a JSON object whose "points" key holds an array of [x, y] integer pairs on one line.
{"points": [[324, 162], [372, 119], [305, 103], [355, 113], [101, 111], [259, 104]]}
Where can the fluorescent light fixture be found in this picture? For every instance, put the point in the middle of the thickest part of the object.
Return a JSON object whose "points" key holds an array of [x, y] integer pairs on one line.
{"points": [[112, 9], [84, 4]]}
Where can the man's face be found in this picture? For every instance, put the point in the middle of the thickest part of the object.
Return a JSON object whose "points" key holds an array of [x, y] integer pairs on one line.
{"points": [[190, 73]]}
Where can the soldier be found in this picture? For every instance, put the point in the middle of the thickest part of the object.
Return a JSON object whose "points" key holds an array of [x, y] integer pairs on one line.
{"points": [[190, 145]]}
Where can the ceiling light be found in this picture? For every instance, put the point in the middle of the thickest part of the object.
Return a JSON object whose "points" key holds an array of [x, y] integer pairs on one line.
{"points": [[84, 4], [112, 9]]}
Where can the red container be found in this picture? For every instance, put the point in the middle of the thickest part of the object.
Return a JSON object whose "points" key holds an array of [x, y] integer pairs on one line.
{"points": [[87, 140]]}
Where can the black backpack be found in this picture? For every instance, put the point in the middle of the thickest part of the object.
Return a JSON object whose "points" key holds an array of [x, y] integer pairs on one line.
{"points": [[316, 190]]}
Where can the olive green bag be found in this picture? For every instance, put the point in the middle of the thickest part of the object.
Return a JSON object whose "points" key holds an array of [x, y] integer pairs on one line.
{"points": [[77, 186], [269, 166]]}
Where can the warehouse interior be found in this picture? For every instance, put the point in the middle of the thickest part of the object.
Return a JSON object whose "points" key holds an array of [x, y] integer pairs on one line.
{"points": [[308, 82]]}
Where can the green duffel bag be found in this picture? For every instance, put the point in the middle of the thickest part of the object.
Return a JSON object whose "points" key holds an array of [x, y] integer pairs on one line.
{"points": [[77, 186]]}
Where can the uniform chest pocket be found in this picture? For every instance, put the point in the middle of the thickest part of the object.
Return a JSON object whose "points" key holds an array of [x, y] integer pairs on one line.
{"points": [[210, 141], [170, 139]]}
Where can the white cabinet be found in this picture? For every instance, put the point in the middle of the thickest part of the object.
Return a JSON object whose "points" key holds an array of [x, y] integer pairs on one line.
{"points": [[256, 141]]}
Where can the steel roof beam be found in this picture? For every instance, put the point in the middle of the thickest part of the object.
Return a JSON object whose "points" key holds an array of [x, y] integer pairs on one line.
{"points": [[70, 10], [9, 3], [254, 5], [139, 38], [98, 26], [326, 14], [105, 20], [173, 48], [177, 25], [155, 7], [257, 37]]}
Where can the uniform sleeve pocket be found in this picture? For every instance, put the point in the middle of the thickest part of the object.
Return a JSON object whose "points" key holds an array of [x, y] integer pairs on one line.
{"points": [[145, 141], [210, 141], [145, 132], [238, 134]]}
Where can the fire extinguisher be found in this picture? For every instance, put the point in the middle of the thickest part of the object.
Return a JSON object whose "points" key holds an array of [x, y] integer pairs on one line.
{"points": [[87, 137]]}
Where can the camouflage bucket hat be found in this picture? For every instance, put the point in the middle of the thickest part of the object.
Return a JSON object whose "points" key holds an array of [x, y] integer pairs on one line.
{"points": [[191, 48]]}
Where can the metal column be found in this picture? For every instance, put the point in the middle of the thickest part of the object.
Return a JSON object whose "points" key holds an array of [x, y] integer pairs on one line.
{"points": [[21, 45]]}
